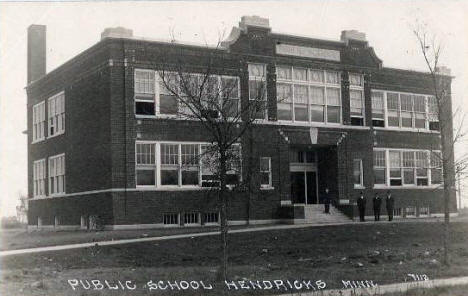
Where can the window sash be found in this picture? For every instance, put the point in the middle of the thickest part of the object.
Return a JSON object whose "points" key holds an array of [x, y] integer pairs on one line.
{"points": [[57, 174], [265, 169]]}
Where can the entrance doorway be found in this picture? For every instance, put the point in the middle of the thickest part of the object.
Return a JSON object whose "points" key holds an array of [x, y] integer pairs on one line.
{"points": [[304, 187], [303, 172]]}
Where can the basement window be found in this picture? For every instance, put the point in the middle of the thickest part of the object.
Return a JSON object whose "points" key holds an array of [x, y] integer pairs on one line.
{"points": [[171, 219], [211, 218], [191, 218]]}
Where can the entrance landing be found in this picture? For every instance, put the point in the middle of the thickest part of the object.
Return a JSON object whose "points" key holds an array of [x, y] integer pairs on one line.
{"points": [[314, 214]]}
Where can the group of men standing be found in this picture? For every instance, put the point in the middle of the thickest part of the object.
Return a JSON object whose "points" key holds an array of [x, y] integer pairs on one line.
{"points": [[376, 202]]}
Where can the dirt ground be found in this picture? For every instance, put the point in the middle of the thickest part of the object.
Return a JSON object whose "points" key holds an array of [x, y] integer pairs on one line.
{"points": [[381, 253]]}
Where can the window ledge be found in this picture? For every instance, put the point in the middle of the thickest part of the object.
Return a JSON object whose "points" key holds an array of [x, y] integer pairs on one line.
{"points": [[406, 187], [55, 135], [173, 188], [38, 141], [267, 188], [397, 129]]}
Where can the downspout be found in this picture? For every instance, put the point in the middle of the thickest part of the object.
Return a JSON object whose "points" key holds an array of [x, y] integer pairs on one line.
{"points": [[125, 124]]}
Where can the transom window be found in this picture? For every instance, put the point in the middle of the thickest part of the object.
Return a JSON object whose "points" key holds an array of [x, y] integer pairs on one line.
{"points": [[38, 122], [406, 167], [56, 114], [57, 174], [308, 95], [404, 110]]}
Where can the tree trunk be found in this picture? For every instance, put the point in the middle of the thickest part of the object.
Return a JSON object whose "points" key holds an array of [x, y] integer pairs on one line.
{"points": [[224, 226]]}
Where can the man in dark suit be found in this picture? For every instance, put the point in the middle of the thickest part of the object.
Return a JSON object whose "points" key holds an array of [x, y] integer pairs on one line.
{"points": [[389, 203], [376, 201], [361, 203], [326, 201]]}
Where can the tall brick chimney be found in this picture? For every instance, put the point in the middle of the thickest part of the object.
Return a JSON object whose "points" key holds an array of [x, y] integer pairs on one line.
{"points": [[36, 52]]}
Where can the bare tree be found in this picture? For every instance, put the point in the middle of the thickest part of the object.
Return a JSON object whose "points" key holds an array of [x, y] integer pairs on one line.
{"points": [[207, 91], [441, 107]]}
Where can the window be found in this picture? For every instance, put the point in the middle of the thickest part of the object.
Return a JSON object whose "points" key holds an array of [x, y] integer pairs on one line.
{"points": [[168, 90], [163, 93], [410, 211], [171, 219], [211, 218], [423, 211], [356, 97], [404, 110], [307, 95], [39, 177], [436, 167], [38, 121], [357, 173], [190, 164], [191, 218], [257, 90], [433, 113], [393, 110], [419, 112], [395, 168], [231, 96], [407, 167], [378, 109], [56, 114], [56, 221], [284, 97], [379, 167], [421, 168], [170, 164], [183, 164], [357, 107], [145, 165], [57, 174], [397, 212], [265, 172], [144, 92]]}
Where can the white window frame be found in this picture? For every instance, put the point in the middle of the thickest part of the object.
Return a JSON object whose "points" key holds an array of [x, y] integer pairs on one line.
{"points": [[179, 165], [211, 223], [262, 79], [39, 178], [358, 88], [269, 172], [145, 167], [145, 96], [414, 185], [56, 120], [171, 224], [309, 83], [383, 107], [39, 122], [384, 167], [155, 97], [192, 214], [427, 113], [361, 174], [428, 214], [52, 175], [412, 208]]}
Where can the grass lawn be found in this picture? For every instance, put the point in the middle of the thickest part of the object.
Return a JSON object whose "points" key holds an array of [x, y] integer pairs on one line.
{"points": [[384, 253], [440, 291]]}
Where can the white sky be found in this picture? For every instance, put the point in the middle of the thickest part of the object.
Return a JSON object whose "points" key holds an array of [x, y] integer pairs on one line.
{"points": [[74, 26]]}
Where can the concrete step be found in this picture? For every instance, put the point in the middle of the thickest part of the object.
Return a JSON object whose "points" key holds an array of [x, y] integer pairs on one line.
{"points": [[316, 214]]}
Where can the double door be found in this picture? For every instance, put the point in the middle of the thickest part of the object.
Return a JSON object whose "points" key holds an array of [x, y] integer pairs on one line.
{"points": [[304, 187]]}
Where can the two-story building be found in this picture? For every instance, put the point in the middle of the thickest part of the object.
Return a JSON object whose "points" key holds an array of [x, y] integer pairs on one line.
{"points": [[106, 147]]}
